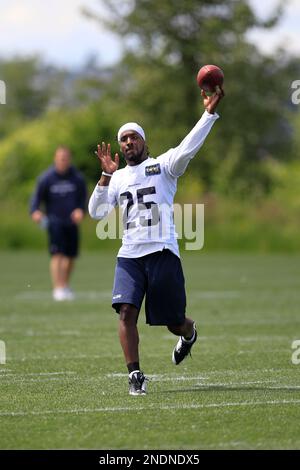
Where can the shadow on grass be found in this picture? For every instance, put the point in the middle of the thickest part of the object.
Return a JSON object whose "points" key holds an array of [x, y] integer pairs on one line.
{"points": [[230, 388]]}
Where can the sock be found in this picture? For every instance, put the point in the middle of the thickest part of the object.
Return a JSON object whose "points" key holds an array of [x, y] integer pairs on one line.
{"points": [[133, 366], [191, 339]]}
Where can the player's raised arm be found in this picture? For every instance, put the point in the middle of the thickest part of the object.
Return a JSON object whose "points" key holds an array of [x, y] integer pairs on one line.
{"points": [[180, 156]]}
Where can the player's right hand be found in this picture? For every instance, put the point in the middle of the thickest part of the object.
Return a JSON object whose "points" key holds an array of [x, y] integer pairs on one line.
{"points": [[211, 102], [107, 163]]}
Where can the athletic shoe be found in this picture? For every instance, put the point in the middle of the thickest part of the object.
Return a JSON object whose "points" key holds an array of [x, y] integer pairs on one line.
{"points": [[183, 347], [59, 294], [137, 383], [69, 294]]}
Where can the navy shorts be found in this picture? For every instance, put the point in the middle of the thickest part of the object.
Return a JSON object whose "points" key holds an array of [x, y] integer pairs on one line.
{"points": [[63, 239], [159, 277]]}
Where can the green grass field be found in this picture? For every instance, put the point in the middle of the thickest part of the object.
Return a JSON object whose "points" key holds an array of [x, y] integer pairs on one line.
{"points": [[64, 384]]}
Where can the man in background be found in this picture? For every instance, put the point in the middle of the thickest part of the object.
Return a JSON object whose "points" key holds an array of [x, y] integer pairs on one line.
{"points": [[61, 191]]}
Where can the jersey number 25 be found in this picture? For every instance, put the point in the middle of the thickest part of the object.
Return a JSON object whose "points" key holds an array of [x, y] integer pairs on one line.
{"points": [[142, 205]]}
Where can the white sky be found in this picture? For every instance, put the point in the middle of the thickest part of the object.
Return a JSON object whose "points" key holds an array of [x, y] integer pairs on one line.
{"points": [[57, 30], [287, 33]]}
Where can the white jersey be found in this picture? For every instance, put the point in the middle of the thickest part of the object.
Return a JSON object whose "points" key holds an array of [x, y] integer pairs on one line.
{"points": [[145, 193]]}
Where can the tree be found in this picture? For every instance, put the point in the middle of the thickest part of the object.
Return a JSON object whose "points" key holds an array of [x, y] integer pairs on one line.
{"points": [[33, 87], [165, 45], [27, 96]]}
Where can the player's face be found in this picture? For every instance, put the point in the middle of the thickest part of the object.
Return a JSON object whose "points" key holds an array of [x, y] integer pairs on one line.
{"points": [[62, 160], [133, 147]]}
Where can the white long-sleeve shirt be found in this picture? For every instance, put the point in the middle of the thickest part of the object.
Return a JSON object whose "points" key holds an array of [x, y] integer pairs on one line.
{"points": [[145, 192]]}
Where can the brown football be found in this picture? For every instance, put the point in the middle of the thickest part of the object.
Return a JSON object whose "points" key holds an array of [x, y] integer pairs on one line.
{"points": [[210, 76]]}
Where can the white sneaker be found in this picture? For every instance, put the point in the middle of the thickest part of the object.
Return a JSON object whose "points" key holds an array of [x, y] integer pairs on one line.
{"points": [[58, 294], [137, 383], [69, 294], [61, 294]]}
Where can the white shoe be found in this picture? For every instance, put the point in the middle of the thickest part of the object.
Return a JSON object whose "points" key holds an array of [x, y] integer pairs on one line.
{"points": [[69, 294], [58, 294], [137, 383], [61, 294]]}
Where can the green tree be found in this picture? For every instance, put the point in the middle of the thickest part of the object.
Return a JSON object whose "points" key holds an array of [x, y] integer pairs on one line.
{"points": [[27, 95], [33, 87], [165, 45]]}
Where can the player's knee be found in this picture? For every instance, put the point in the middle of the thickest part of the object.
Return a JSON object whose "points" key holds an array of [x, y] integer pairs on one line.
{"points": [[128, 314]]}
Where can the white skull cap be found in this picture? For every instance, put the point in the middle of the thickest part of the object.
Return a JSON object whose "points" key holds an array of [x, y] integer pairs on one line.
{"points": [[131, 126]]}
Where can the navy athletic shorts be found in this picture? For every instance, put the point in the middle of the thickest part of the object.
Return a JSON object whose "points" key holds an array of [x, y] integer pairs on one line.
{"points": [[159, 277], [63, 239]]}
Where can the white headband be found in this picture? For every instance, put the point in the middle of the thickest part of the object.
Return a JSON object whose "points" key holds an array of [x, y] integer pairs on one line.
{"points": [[131, 126]]}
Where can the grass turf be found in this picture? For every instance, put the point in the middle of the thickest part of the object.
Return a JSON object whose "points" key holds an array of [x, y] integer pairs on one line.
{"points": [[64, 385]]}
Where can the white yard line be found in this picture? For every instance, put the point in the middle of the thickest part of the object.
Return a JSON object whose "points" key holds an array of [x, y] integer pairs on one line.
{"points": [[267, 351], [46, 295], [202, 380], [54, 333], [67, 372], [254, 339], [234, 384], [205, 376], [149, 408], [61, 357], [256, 322], [216, 294]]}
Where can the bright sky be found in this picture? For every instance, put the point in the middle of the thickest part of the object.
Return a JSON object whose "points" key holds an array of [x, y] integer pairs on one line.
{"points": [[57, 30]]}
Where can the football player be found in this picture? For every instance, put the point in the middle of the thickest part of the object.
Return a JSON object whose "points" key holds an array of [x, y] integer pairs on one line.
{"points": [[148, 262]]}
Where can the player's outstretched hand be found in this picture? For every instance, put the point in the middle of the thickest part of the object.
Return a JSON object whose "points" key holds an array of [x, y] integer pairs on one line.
{"points": [[104, 155], [211, 102]]}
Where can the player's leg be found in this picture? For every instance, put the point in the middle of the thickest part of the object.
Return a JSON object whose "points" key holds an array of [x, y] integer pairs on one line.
{"points": [[55, 270], [58, 281], [188, 336], [66, 244], [70, 245], [66, 268], [128, 294], [128, 333], [63, 247], [54, 241], [186, 329], [129, 339], [166, 301]]}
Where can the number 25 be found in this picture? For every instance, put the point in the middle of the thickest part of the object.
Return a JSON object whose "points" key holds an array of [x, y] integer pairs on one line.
{"points": [[142, 205]]}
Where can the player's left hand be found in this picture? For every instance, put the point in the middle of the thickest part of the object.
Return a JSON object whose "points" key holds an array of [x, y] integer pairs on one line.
{"points": [[104, 155], [77, 216], [211, 102]]}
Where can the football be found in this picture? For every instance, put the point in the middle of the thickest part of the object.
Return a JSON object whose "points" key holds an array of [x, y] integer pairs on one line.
{"points": [[210, 76]]}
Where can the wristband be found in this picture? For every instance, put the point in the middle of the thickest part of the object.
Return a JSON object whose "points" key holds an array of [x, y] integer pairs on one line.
{"points": [[106, 174]]}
